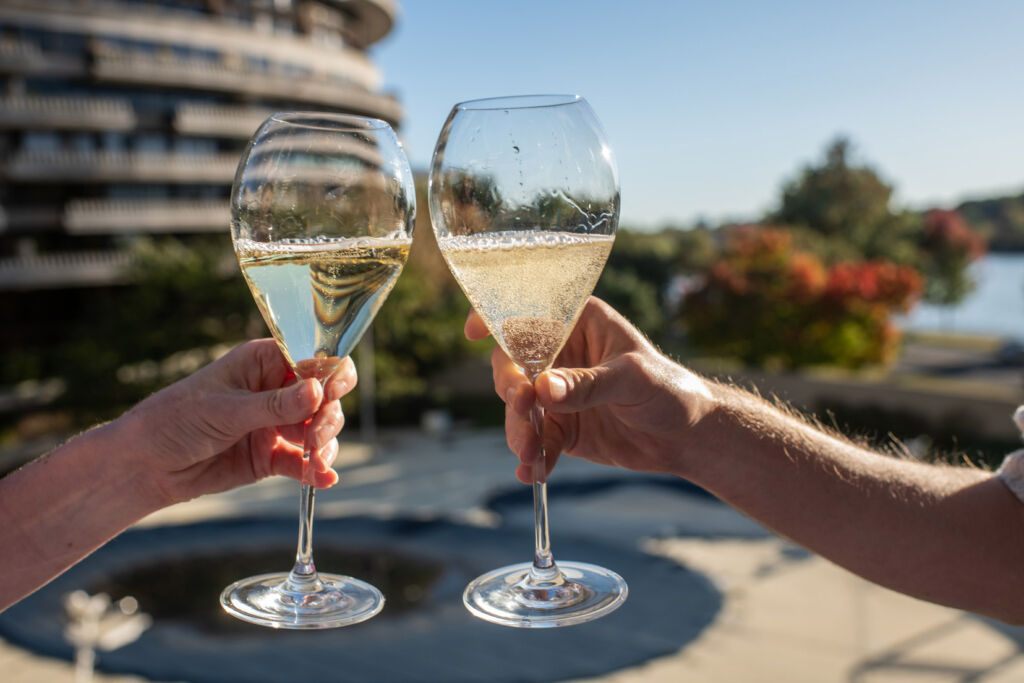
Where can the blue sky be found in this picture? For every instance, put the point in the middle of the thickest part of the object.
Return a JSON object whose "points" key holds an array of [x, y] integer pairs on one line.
{"points": [[711, 106]]}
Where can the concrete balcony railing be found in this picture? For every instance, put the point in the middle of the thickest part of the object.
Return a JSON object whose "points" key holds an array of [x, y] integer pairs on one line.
{"points": [[66, 113], [370, 20], [143, 68], [101, 167], [56, 271], [21, 58], [91, 217], [166, 26], [210, 120]]}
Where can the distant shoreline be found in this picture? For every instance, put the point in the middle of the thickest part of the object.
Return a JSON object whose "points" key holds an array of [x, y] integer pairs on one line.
{"points": [[994, 309]]}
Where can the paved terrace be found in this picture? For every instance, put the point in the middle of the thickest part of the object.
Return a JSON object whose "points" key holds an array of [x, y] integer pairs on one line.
{"points": [[784, 615]]}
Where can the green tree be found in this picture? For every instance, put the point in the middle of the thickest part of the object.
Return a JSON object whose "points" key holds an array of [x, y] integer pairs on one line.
{"points": [[1000, 221], [842, 211], [642, 269], [765, 302], [418, 331], [126, 342], [949, 248]]}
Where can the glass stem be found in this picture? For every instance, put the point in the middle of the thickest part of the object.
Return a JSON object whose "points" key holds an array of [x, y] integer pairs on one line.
{"points": [[303, 577], [543, 561]]}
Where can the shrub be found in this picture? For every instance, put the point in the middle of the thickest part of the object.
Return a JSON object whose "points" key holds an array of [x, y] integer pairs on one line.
{"points": [[767, 303]]}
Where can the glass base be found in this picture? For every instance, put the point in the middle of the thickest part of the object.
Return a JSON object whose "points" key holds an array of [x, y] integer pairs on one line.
{"points": [[523, 596], [270, 600]]}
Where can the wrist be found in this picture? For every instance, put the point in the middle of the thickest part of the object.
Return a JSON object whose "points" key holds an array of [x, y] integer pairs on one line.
{"points": [[715, 436], [128, 442], [61, 507]]}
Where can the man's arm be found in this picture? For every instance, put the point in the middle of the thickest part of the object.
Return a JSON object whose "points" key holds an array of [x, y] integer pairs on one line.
{"points": [[945, 534], [951, 535]]}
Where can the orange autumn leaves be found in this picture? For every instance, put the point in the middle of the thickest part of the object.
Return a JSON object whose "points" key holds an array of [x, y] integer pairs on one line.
{"points": [[771, 304]]}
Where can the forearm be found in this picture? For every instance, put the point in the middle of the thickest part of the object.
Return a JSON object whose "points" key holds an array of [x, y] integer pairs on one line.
{"points": [[63, 506], [946, 534]]}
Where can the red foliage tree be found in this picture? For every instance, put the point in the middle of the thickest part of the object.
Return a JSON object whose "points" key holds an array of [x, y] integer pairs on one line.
{"points": [[767, 303], [948, 246]]}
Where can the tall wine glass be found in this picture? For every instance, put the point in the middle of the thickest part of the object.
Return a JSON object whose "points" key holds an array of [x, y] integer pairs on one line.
{"points": [[524, 198], [322, 212]]}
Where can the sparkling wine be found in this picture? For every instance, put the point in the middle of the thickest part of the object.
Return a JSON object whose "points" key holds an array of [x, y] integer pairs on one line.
{"points": [[529, 287], [318, 297]]}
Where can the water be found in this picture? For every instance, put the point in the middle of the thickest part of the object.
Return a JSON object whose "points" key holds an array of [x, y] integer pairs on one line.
{"points": [[995, 307]]}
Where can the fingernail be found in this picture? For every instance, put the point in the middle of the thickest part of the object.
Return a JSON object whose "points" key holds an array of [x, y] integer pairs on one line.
{"points": [[295, 396], [517, 446], [299, 394], [510, 395], [557, 386]]}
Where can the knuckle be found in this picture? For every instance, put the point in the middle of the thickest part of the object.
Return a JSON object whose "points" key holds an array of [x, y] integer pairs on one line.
{"points": [[275, 403], [634, 362]]}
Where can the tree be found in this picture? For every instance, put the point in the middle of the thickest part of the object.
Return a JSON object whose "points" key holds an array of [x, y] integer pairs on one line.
{"points": [[642, 270], [842, 212], [766, 302], [949, 246], [418, 330], [1000, 221]]}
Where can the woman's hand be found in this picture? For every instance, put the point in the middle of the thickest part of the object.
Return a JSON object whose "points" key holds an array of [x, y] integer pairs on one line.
{"points": [[238, 420]]}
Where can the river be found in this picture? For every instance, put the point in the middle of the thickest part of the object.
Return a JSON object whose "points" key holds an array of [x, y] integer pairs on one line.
{"points": [[995, 307]]}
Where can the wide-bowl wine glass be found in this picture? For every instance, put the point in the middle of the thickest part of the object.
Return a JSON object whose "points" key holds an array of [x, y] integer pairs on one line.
{"points": [[322, 211], [524, 198]]}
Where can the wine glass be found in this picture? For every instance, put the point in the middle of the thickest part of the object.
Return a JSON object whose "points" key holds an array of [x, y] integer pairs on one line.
{"points": [[524, 198], [322, 212]]}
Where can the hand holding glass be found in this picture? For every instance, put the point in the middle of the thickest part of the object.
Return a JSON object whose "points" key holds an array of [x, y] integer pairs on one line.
{"points": [[524, 199], [322, 212]]}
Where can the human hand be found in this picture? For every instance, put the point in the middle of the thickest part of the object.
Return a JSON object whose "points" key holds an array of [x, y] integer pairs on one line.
{"points": [[611, 398], [238, 420]]}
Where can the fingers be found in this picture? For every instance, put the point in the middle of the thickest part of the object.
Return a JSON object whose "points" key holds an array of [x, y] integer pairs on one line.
{"points": [[571, 390], [342, 381], [523, 441], [475, 328], [319, 431], [509, 380], [325, 426], [287, 460], [528, 473], [288, 405], [521, 436], [328, 420], [258, 365]]}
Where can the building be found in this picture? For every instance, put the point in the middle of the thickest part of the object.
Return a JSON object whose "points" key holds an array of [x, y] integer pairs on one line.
{"points": [[127, 117]]}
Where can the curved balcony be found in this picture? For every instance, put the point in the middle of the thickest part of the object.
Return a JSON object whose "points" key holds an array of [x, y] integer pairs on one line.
{"points": [[141, 68], [214, 120], [163, 26], [21, 58], [66, 113], [102, 167], [107, 217], [372, 19], [56, 271]]}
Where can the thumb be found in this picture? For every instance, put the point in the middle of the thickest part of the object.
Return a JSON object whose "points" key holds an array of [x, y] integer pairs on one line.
{"points": [[287, 405], [570, 390]]}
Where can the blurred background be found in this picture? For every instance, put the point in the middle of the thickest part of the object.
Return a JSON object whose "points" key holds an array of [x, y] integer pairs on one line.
{"points": [[802, 188], [824, 203]]}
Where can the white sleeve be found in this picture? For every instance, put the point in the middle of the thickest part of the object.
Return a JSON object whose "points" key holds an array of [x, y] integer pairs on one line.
{"points": [[1011, 472]]}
